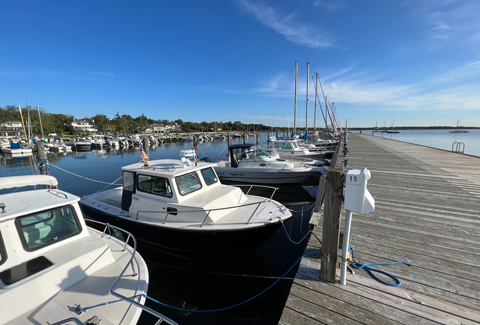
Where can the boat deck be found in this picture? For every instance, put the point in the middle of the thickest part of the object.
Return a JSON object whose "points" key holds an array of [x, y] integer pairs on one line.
{"points": [[427, 211]]}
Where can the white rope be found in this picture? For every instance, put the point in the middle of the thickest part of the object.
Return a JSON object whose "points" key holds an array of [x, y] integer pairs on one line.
{"points": [[113, 183], [89, 179], [290, 239]]}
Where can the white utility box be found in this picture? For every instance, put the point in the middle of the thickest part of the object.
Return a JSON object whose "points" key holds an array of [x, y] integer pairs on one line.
{"points": [[357, 197]]}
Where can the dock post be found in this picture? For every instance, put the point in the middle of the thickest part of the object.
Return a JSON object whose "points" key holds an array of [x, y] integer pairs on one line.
{"points": [[42, 157], [333, 162], [244, 137], [320, 192], [146, 146], [331, 223]]}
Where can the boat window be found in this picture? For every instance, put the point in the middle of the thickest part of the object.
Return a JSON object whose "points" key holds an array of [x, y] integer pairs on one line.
{"points": [[128, 181], [260, 153], [24, 270], [154, 185], [282, 145], [295, 145], [209, 176], [188, 183], [3, 252], [45, 228]]}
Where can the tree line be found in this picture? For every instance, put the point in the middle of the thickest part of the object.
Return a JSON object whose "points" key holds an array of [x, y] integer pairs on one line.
{"points": [[123, 124]]}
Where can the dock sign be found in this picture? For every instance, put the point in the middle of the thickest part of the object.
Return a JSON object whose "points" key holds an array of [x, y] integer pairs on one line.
{"points": [[357, 197]]}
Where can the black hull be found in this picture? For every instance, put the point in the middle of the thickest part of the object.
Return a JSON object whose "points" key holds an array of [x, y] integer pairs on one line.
{"points": [[82, 148], [189, 240]]}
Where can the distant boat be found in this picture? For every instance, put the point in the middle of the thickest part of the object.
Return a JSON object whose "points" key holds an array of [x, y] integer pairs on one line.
{"points": [[392, 130], [457, 130]]}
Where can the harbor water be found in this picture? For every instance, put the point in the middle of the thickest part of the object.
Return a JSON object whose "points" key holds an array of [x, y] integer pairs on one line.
{"points": [[227, 288], [240, 288], [441, 139]]}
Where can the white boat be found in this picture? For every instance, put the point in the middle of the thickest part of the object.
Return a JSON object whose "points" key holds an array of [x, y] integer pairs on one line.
{"points": [[457, 130], [250, 164], [54, 268], [178, 205], [292, 149], [392, 130], [80, 145], [17, 150]]}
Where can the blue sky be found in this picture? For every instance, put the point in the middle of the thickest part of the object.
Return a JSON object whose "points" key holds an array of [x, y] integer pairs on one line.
{"points": [[415, 62]]}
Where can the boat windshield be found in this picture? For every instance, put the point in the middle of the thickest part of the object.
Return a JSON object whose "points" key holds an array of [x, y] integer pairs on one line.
{"points": [[209, 176], [155, 185], [283, 145], [258, 153], [47, 227], [188, 183]]}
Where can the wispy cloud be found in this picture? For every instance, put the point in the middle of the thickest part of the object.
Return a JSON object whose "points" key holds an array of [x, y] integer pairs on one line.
{"points": [[448, 20], [331, 5], [456, 89], [287, 25]]}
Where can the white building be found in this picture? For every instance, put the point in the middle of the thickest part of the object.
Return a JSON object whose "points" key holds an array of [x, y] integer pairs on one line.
{"points": [[82, 125], [11, 127]]}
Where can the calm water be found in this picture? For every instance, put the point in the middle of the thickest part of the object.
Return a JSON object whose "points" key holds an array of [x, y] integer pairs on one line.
{"points": [[442, 139], [202, 281], [212, 281]]}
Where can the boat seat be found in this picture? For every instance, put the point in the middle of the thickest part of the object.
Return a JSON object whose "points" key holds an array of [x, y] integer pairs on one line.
{"points": [[45, 231]]}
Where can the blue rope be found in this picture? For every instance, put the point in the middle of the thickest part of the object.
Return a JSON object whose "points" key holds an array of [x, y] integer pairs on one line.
{"points": [[80, 308], [370, 270]]}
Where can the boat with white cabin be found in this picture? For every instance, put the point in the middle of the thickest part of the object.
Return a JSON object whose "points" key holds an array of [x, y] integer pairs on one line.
{"points": [[181, 205], [252, 165], [54, 269], [292, 149]]}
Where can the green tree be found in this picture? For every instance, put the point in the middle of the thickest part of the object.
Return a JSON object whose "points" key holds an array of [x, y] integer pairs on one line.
{"points": [[102, 122]]}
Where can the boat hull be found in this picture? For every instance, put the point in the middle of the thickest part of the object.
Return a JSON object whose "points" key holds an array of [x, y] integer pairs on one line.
{"points": [[263, 177], [246, 239]]}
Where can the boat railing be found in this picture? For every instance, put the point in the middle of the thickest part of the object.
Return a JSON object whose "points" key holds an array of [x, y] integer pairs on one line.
{"points": [[207, 212], [130, 262]]}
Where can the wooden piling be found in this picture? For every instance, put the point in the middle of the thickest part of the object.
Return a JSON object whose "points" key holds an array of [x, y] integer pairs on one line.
{"points": [[331, 223], [146, 146], [42, 156]]}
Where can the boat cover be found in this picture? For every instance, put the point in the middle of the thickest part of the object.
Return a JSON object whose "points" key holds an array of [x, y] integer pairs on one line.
{"points": [[29, 180]]}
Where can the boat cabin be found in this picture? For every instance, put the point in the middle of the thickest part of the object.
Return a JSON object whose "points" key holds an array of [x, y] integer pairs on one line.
{"points": [[249, 152], [167, 186]]}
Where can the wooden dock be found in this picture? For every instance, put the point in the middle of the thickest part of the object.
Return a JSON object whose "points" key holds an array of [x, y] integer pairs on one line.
{"points": [[427, 211]]}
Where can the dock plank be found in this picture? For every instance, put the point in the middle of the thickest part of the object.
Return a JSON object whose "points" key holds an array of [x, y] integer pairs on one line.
{"points": [[427, 211]]}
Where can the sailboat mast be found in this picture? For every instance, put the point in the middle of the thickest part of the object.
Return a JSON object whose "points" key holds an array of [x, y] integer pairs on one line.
{"points": [[306, 116], [295, 100], [315, 114], [40, 119], [23, 124]]}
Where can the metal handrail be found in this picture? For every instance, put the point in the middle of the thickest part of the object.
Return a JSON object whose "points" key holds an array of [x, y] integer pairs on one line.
{"points": [[145, 308], [253, 185], [202, 210], [458, 146]]}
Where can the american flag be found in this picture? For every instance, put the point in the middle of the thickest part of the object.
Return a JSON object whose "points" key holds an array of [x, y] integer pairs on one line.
{"points": [[144, 156]]}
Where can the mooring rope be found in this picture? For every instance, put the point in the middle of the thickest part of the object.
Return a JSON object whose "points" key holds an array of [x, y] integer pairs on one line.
{"points": [[370, 270], [80, 308], [89, 179]]}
